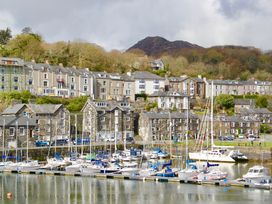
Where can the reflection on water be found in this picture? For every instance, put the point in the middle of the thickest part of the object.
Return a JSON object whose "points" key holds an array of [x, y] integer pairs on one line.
{"points": [[42, 189]]}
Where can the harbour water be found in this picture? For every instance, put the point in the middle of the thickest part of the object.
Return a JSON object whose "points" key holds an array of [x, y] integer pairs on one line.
{"points": [[43, 189]]}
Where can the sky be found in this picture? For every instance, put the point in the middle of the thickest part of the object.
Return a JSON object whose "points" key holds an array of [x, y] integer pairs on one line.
{"points": [[118, 24]]}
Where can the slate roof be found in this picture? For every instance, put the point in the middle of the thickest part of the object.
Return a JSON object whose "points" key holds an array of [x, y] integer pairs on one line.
{"points": [[22, 121], [165, 115], [44, 108], [246, 111], [12, 110], [36, 108], [145, 75], [109, 105], [244, 102], [168, 94], [240, 83]]}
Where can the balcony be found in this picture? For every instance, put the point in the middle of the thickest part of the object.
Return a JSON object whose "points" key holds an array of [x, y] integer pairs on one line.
{"points": [[60, 80]]}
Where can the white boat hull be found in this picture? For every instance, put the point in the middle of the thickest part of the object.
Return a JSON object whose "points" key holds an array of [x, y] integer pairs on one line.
{"points": [[204, 156]]}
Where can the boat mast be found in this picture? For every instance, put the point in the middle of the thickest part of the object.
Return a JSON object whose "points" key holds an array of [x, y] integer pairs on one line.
{"points": [[212, 144], [27, 131], [4, 151], [187, 131]]}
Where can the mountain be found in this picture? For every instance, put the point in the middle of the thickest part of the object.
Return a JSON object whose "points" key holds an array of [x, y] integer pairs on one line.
{"points": [[156, 46]]}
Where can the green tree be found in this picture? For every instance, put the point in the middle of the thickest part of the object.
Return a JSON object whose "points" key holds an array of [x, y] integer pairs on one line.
{"points": [[5, 36], [225, 101], [26, 46], [265, 128], [262, 102]]}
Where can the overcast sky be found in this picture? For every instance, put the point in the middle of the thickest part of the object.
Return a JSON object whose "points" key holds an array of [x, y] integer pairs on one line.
{"points": [[118, 24]]}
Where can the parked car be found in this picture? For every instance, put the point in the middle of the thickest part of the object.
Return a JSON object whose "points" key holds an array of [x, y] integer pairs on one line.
{"points": [[80, 141], [60, 142], [241, 136], [130, 139], [41, 143], [226, 137], [252, 137]]}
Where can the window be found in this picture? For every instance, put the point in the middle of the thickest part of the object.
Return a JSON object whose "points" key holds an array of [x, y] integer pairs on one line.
{"points": [[45, 83], [85, 81], [2, 87], [72, 87], [22, 131], [156, 81], [45, 76], [127, 92], [142, 81], [30, 81], [104, 83], [15, 88], [11, 131], [15, 79], [73, 79], [85, 88], [141, 86], [156, 86], [3, 78], [103, 90]]}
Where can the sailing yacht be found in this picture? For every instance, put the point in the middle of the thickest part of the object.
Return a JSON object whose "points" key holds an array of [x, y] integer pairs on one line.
{"points": [[214, 155]]}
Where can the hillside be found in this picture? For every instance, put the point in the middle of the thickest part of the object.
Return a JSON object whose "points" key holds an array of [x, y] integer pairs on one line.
{"points": [[157, 46]]}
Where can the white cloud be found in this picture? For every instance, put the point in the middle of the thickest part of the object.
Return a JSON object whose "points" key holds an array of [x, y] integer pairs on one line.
{"points": [[121, 23]]}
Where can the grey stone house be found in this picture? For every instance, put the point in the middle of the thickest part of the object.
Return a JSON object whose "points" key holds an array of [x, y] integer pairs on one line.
{"points": [[16, 130], [51, 121], [154, 126], [104, 120], [234, 125]]}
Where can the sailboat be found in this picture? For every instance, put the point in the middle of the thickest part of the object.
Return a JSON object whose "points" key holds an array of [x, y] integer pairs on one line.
{"points": [[214, 155]]}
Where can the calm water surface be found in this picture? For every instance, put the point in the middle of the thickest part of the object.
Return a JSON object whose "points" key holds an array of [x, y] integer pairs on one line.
{"points": [[42, 189]]}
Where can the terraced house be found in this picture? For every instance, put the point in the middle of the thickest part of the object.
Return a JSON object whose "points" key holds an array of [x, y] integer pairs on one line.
{"points": [[105, 120], [234, 125], [114, 86], [14, 76], [154, 126], [235, 87], [50, 121]]}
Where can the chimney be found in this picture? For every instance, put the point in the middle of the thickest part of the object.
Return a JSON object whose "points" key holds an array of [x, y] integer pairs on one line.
{"points": [[199, 76], [33, 61], [74, 66], [60, 64], [129, 73], [46, 62]]}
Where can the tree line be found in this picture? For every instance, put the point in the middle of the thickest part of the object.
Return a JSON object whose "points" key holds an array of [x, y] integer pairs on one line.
{"points": [[224, 62]]}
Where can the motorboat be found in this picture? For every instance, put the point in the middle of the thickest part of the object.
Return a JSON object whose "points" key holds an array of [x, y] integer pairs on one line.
{"points": [[257, 174], [238, 156], [216, 155]]}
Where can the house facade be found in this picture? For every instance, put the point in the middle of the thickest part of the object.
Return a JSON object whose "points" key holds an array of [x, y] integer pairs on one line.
{"points": [[105, 120], [194, 87], [168, 100], [155, 126], [234, 125], [234, 87], [51, 121], [146, 82]]}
